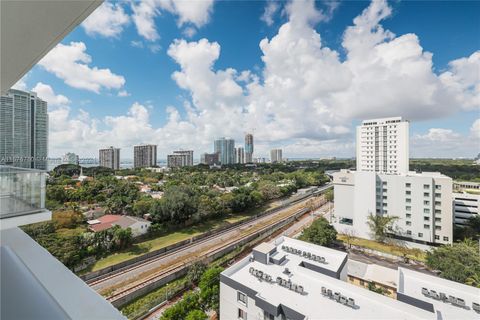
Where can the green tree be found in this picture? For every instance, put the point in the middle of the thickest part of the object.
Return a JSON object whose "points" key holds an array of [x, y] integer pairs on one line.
{"points": [[379, 225], [320, 232], [195, 272], [329, 195], [196, 314], [122, 237], [458, 262], [210, 288], [142, 206], [180, 310]]}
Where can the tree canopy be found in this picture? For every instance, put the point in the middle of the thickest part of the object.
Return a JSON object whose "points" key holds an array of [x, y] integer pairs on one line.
{"points": [[459, 262], [320, 232]]}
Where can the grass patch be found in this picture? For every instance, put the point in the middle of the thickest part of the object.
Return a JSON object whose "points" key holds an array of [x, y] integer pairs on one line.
{"points": [[414, 254], [66, 232]]}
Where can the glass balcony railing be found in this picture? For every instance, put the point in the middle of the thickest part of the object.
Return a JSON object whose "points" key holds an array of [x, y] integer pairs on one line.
{"points": [[22, 191]]}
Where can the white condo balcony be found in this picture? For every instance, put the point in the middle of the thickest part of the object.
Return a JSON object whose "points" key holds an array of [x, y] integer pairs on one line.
{"points": [[35, 285]]}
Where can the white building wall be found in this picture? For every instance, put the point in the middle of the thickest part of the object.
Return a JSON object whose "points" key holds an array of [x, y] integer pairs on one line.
{"points": [[229, 305], [422, 202], [140, 227]]}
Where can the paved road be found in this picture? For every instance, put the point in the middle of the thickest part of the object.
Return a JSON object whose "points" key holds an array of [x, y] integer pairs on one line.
{"points": [[191, 253]]}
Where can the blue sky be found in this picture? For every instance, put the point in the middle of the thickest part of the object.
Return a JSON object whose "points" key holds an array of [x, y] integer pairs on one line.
{"points": [[188, 110]]}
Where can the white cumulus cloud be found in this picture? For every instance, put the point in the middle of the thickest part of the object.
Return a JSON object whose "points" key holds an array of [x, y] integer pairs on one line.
{"points": [[108, 20], [271, 8], [193, 13], [45, 92], [71, 63]]}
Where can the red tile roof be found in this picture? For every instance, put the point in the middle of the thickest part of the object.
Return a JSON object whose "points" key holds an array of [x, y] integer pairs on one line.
{"points": [[107, 221]]}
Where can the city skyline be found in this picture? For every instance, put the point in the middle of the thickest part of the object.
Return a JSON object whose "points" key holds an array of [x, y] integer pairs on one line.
{"points": [[155, 98]]}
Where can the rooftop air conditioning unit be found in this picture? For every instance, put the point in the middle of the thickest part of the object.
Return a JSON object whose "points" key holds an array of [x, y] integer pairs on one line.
{"points": [[460, 302], [476, 306], [351, 302]]}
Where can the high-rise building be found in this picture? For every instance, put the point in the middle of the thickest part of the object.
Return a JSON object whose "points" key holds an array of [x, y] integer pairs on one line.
{"points": [[239, 155], [110, 158], [188, 156], [209, 159], [23, 130], [276, 156], [382, 146], [176, 160], [226, 150], [144, 156], [249, 148], [70, 158], [421, 201]]}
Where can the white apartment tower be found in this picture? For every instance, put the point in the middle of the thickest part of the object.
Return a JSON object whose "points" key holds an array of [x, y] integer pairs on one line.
{"points": [[110, 158], [276, 156], [144, 156], [382, 146]]}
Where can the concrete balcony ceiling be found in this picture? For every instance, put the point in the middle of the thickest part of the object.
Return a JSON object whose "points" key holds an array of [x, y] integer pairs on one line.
{"points": [[30, 29]]}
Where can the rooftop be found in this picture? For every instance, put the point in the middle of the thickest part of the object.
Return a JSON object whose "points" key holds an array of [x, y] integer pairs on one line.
{"points": [[429, 289], [311, 302], [110, 220]]}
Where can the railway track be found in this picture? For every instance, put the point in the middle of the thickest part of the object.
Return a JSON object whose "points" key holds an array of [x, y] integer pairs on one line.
{"points": [[152, 260], [121, 293]]}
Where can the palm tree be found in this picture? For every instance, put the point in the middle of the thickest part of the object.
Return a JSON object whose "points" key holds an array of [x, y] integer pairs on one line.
{"points": [[379, 224]]}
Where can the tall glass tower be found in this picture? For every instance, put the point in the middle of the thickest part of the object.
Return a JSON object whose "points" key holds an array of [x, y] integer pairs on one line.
{"points": [[23, 130], [248, 148], [226, 150]]}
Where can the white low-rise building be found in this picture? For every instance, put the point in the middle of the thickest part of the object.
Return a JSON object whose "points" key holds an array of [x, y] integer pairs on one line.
{"points": [[465, 207], [421, 201], [294, 280]]}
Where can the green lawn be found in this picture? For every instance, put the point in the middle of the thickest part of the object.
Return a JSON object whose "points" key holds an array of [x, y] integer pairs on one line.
{"points": [[414, 254], [173, 237]]}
